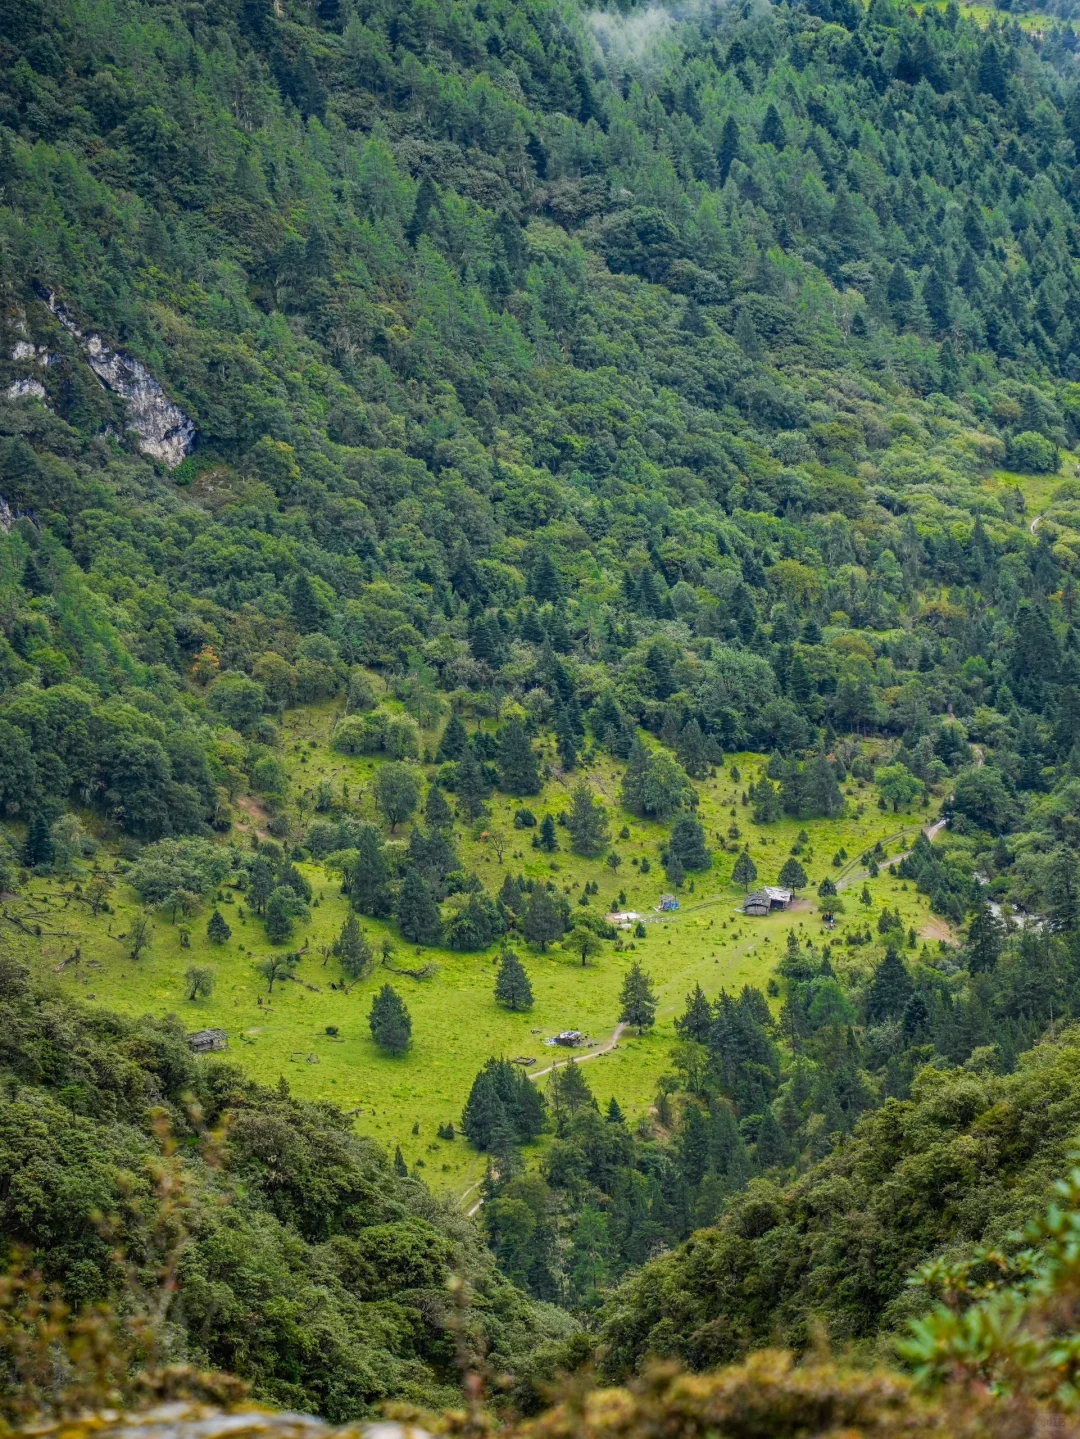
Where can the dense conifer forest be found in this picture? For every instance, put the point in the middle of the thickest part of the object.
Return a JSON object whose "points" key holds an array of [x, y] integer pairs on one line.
{"points": [[616, 419]]}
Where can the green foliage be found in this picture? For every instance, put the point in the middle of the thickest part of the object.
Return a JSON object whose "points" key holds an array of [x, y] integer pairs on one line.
{"points": [[292, 1241], [512, 987], [637, 1000], [391, 1027]]}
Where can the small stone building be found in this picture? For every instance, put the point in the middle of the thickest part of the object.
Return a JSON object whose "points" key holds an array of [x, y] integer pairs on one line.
{"points": [[206, 1041]]}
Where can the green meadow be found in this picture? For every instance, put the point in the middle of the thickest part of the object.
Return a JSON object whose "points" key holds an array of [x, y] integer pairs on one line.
{"points": [[456, 1023]]}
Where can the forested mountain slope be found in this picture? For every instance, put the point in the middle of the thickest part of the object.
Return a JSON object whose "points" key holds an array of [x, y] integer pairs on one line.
{"points": [[540, 389]]}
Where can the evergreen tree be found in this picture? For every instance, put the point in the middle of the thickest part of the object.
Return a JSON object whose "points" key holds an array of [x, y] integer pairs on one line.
{"points": [[282, 908], [353, 950], [991, 78], [692, 750], [455, 739], [217, 928], [546, 838], [687, 843], [729, 147], [565, 740], [427, 199], [745, 871], [587, 822], [697, 1018], [890, 989], [471, 785], [985, 938], [307, 612], [543, 921], [262, 883], [772, 129], [772, 1147], [1063, 890], [401, 1169], [512, 987], [391, 1026], [637, 1000], [436, 810], [793, 876], [544, 582], [38, 850], [519, 771], [368, 874], [418, 914]]}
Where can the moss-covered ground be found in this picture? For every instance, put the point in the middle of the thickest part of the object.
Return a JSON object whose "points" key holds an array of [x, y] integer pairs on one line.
{"points": [[456, 1022]]}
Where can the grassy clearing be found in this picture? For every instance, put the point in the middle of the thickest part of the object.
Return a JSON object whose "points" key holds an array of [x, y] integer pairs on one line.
{"points": [[456, 1023]]}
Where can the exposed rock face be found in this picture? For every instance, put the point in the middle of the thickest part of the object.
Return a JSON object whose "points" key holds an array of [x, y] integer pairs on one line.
{"points": [[25, 390], [165, 432]]}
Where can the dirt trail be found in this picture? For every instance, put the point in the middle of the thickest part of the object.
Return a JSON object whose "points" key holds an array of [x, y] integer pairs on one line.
{"points": [[593, 1053], [856, 875]]}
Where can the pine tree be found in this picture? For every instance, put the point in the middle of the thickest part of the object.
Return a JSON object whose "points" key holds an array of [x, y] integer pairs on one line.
{"points": [[307, 612], [614, 1113], [587, 822], [470, 784], [427, 199], [262, 883], [565, 740], [455, 739], [353, 950], [436, 810], [391, 1026], [543, 921], [792, 875], [692, 750], [985, 938], [217, 929], [745, 871], [369, 875], [519, 766], [687, 843], [637, 999], [889, 989], [936, 299], [771, 1145], [544, 582], [418, 914], [38, 850], [401, 1169], [697, 1018], [991, 75], [512, 987], [772, 129], [546, 838], [1063, 890], [729, 147]]}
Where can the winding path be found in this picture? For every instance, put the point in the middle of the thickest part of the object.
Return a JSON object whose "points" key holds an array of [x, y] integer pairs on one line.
{"points": [[930, 831]]}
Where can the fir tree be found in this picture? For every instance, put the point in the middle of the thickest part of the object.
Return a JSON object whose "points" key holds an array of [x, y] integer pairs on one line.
{"points": [[587, 822], [544, 582], [307, 612], [455, 739], [418, 914], [772, 1147], [427, 199], [38, 850], [692, 750], [546, 838], [519, 771], [793, 876], [436, 810], [512, 987], [637, 1000], [262, 883], [889, 991], [543, 921], [353, 950], [772, 129], [687, 843], [401, 1169], [745, 871], [697, 1018], [391, 1026], [217, 928], [470, 784], [729, 147], [985, 938]]}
